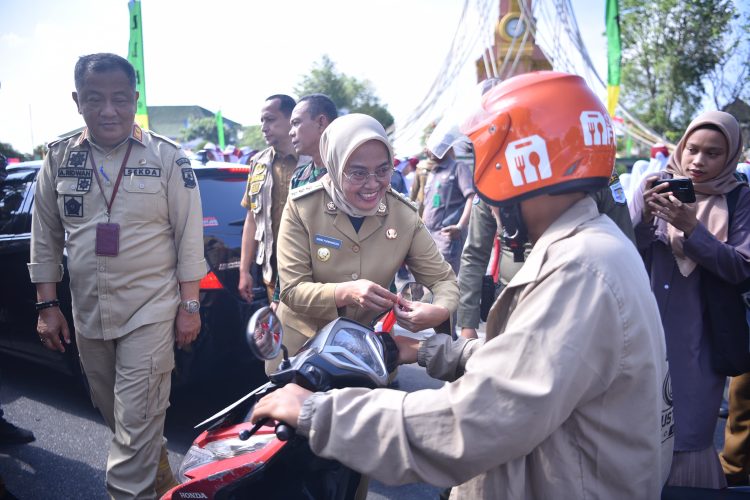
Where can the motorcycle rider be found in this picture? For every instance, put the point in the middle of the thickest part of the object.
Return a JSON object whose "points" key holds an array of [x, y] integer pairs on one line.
{"points": [[568, 396]]}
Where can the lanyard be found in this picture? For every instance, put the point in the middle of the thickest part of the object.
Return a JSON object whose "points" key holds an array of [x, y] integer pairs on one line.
{"points": [[117, 182]]}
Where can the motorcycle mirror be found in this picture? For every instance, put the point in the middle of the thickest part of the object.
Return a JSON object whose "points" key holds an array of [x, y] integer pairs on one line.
{"points": [[264, 333], [416, 292]]}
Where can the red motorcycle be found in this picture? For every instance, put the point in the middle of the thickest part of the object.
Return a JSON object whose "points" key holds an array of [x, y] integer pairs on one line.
{"points": [[233, 458]]}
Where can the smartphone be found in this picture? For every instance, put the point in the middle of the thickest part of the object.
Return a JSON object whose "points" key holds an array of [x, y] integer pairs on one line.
{"points": [[681, 188]]}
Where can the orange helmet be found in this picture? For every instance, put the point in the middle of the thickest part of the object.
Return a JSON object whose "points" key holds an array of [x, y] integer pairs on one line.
{"points": [[540, 133]]}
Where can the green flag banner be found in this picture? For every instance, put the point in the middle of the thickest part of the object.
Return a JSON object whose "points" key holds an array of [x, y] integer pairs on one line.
{"points": [[135, 56], [613, 55], [220, 129]]}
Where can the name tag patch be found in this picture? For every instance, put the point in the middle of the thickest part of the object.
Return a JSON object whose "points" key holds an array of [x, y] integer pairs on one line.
{"points": [[74, 172], [327, 241], [145, 171]]}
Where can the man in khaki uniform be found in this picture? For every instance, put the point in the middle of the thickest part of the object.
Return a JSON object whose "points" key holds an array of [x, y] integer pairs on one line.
{"points": [[129, 203], [310, 117], [267, 188], [567, 397]]}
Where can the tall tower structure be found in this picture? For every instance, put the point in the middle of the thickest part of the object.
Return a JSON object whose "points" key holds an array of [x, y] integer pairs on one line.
{"points": [[511, 24]]}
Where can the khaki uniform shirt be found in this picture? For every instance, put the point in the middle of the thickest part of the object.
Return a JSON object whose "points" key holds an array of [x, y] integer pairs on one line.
{"points": [[319, 248], [259, 198], [567, 398], [158, 208]]}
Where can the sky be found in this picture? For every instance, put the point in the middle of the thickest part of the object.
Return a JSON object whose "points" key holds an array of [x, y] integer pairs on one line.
{"points": [[230, 55]]}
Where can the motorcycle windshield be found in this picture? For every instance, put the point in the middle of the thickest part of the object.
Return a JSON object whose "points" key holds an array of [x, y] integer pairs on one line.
{"points": [[357, 343]]}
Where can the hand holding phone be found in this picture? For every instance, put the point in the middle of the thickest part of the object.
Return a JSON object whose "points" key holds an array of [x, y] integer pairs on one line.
{"points": [[681, 188]]}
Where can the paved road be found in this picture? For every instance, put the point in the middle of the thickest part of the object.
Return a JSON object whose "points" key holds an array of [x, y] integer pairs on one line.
{"points": [[68, 458]]}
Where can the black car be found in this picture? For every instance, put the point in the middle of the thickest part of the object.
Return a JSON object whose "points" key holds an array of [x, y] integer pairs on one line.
{"points": [[219, 355]]}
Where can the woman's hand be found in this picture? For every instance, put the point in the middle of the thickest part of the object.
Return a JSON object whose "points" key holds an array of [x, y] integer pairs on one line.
{"points": [[365, 294], [681, 215], [652, 194], [283, 404], [417, 316]]}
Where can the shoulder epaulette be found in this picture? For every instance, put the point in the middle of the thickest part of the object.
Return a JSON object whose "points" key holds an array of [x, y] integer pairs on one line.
{"points": [[257, 156], [54, 143], [403, 198], [164, 138], [305, 190]]}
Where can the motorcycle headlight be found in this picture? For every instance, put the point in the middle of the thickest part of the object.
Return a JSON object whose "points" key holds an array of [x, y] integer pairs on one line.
{"points": [[220, 450], [362, 346]]}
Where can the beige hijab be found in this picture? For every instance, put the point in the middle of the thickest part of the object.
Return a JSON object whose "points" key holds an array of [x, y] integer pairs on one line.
{"points": [[338, 142], [710, 195]]}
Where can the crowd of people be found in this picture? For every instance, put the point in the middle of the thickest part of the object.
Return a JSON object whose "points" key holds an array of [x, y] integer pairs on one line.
{"points": [[594, 377]]}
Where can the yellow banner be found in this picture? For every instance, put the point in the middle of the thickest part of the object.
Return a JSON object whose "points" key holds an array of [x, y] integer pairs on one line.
{"points": [[613, 94]]}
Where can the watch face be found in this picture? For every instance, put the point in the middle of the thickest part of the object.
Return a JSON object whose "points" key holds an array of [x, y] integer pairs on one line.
{"points": [[514, 27], [191, 306]]}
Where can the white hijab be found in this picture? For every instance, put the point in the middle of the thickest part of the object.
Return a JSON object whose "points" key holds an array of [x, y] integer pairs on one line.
{"points": [[339, 140]]}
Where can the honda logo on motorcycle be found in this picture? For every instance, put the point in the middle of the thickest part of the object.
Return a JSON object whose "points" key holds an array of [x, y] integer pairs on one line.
{"points": [[192, 495]]}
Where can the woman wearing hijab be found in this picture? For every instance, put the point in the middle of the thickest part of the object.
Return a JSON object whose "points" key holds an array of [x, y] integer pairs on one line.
{"points": [[342, 239], [679, 241]]}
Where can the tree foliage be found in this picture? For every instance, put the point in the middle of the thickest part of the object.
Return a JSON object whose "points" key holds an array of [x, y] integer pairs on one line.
{"points": [[253, 137], [205, 128], [348, 93], [7, 150], [670, 50]]}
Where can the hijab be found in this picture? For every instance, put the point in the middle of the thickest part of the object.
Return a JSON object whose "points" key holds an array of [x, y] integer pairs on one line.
{"points": [[339, 140], [710, 195]]}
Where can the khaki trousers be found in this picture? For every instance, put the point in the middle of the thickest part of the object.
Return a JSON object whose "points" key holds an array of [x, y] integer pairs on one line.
{"points": [[735, 458], [130, 381]]}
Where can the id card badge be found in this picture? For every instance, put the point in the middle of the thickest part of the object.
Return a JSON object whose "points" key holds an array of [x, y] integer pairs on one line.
{"points": [[107, 239], [436, 200]]}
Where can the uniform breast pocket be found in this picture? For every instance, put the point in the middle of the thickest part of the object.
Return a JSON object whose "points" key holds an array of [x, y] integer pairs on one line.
{"points": [[74, 198], [145, 199]]}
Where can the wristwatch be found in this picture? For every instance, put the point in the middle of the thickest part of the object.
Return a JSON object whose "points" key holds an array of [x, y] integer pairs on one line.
{"points": [[190, 306]]}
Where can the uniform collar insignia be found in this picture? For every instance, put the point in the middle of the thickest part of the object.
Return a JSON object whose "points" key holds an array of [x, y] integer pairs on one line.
{"points": [[83, 137], [137, 133]]}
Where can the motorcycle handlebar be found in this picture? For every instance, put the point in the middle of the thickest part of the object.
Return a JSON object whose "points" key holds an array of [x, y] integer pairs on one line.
{"points": [[284, 432]]}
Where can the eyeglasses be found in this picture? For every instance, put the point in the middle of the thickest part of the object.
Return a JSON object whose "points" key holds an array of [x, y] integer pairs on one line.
{"points": [[359, 177]]}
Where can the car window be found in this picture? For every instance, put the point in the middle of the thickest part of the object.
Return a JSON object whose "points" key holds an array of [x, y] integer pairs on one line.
{"points": [[12, 192]]}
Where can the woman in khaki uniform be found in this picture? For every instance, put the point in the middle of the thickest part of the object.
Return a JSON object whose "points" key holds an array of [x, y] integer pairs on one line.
{"points": [[342, 239]]}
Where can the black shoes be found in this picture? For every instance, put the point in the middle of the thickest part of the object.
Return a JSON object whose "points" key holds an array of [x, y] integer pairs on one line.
{"points": [[10, 434]]}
